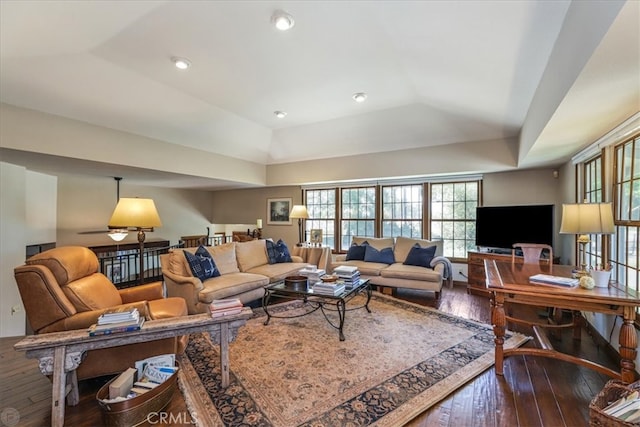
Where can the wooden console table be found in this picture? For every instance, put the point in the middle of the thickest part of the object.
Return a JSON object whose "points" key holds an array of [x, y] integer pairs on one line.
{"points": [[507, 282], [60, 353]]}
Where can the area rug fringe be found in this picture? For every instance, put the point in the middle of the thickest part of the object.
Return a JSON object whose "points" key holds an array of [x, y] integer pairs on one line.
{"points": [[205, 414]]}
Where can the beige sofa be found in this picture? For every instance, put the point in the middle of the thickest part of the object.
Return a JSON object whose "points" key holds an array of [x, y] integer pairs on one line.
{"points": [[398, 275], [244, 271]]}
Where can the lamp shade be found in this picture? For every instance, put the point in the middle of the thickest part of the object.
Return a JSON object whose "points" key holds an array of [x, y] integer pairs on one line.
{"points": [[587, 218], [134, 212], [299, 211]]}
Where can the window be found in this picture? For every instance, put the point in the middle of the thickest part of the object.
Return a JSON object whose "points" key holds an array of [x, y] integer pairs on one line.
{"points": [[453, 216], [321, 205], [421, 210], [593, 193], [402, 210], [626, 196], [358, 214]]}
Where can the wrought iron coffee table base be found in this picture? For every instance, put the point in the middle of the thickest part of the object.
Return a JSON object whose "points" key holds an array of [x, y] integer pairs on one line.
{"points": [[316, 302]]}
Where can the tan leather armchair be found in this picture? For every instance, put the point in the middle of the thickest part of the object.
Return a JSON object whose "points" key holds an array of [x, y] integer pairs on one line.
{"points": [[61, 290]]}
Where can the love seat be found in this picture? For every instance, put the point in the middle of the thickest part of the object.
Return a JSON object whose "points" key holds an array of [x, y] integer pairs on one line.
{"points": [[427, 273], [244, 268]]}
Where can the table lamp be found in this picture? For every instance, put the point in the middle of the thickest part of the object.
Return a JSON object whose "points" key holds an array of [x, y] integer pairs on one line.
{"points": [[583, 219], [139, 214], [300, 212]]}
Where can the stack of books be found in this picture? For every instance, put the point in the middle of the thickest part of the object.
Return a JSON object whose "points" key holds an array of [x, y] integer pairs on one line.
{"points": [[312, 273], [116, 321], [348, 274], [225, 307], [323, 288]]}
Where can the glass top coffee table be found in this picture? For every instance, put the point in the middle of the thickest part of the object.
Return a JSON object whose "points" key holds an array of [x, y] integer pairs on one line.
{"points": [[316, 301]]}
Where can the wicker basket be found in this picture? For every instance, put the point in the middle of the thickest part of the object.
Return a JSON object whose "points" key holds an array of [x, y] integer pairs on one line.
{"points": [[612, 391], [133, 411]]}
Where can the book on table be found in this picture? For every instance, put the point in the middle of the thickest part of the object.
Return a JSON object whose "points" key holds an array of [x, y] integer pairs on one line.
{"points": [[225, 307], [115, 328], [547, 279], [118, 315]]}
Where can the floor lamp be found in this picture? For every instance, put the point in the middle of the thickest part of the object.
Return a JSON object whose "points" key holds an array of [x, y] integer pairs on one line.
{"points": [[138, 214], [584, 219], [300, 212]]}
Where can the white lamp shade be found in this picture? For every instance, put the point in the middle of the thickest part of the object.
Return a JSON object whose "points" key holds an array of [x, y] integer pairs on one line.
{"points": [[587, 218], [299, 211], [134, 212]]}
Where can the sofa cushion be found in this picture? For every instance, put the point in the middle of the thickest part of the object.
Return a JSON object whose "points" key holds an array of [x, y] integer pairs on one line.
{"points": [[356, 252], [201, 263], [384, 255], [277, 252], [67, 263], [178, 263], [279, 271], [411, 272], [365, 268], [230, 285], [225, 257], [251, 254], [92, 292], [420, 256], [404, 244], [378, 243]]}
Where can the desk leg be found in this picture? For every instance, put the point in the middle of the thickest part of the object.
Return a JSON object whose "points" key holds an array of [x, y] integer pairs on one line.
{"points": [[59, 387], [224, 353], [628, 345], [498, 320]]}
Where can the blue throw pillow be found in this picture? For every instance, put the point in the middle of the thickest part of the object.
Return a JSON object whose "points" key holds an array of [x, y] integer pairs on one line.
{"points": [[420, 256], [356, 252], [277, 252], [202, 265], [384, 256]]}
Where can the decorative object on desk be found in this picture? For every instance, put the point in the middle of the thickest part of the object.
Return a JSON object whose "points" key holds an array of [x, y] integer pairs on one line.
{"points": [[316, 236], [587, 282], [329, 278], [278, 211], [601, 278], [140, 214], [583, 219], [405, 373], [297, 283], [299, 212]]}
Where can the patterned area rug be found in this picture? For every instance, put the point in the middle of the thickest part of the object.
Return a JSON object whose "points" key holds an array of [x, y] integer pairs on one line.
{"points": [[395, 362]]}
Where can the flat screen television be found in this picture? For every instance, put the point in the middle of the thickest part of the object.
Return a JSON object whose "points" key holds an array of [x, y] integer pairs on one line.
{"points": [[499, 227]]}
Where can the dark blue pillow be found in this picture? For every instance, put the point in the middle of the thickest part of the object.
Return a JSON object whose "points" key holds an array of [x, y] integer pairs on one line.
{"points": [[420, 256], [202, 265], [356, 252], [277, 252], [384, 256]]}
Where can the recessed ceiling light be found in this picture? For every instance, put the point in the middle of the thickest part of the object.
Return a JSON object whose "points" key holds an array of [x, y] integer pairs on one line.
{"points": [[280, 114], [359, 97], [181, 63], [282, 20]]}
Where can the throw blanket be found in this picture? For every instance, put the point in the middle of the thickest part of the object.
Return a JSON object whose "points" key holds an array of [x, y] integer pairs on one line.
{"points": [[447, 274]]}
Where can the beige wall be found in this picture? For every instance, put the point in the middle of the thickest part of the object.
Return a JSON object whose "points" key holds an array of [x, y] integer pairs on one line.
{"points": [[248, 205]]}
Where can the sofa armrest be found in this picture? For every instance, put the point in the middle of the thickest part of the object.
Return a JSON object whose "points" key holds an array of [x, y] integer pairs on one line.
{"points": [[296, 258], [147, 292], [183, 280], [341, 257]]}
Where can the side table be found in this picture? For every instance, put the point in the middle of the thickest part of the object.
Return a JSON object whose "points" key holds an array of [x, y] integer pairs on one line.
{"points": [[60, 353]]}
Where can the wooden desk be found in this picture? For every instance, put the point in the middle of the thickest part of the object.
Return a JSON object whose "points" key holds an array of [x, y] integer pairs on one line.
{"points": [[60, 353], [507, 282]]}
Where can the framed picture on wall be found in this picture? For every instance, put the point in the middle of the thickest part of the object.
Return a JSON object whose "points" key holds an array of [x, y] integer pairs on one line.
{"points": [[278, 211]]}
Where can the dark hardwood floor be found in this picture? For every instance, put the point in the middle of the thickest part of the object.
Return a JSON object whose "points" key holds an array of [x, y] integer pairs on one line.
{"points": [[533, 392]]}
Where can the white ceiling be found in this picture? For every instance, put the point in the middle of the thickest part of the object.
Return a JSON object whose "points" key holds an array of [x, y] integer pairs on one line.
{"points": [[436, 72]]}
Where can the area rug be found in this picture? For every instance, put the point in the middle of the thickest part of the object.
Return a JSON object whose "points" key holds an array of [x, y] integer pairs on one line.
{"points": [[396, 361]]}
